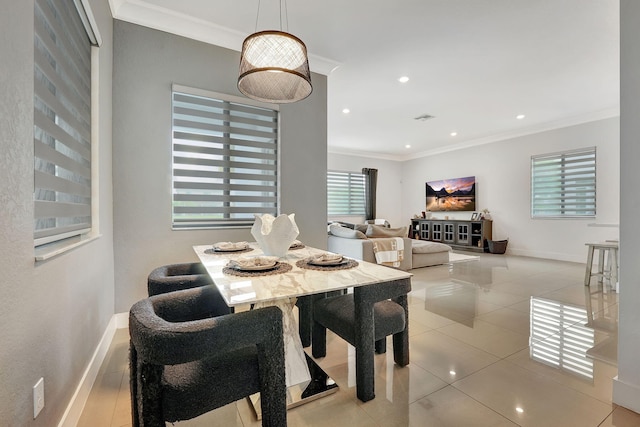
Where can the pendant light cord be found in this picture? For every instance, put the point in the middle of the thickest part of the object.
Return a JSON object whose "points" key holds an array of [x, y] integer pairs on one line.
{"points": [[255, 30], [286, 16]]}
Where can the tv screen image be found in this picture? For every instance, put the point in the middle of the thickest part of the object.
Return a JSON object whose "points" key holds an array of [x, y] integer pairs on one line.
{"points": [[452, 195]]}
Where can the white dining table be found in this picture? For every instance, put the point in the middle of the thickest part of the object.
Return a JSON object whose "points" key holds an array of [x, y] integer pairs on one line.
{"points": [[283, 289]]}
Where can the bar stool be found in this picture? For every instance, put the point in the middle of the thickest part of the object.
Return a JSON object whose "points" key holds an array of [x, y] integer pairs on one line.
{"points": [[609, 272]]}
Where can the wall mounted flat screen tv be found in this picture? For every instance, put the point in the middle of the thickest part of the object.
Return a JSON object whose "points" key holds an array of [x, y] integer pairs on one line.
{"points": [[452, 195]]}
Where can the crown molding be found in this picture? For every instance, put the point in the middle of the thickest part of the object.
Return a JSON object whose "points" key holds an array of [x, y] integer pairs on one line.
{"points": [[159, 18], [356, 153]]}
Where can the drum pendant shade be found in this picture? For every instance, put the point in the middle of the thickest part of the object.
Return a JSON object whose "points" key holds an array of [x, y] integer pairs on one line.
{"points": [[274, 68]]}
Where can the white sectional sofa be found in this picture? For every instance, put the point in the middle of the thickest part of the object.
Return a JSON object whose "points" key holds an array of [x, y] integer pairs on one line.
{"points": [[417, 253]]}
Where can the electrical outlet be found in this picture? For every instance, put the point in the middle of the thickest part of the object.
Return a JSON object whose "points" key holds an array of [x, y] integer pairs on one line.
{"points": [[38, 397]]}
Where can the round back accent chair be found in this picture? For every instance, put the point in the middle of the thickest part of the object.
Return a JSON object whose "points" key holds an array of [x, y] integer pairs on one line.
{"points": [[364, 319], [186, 359], [176, 277]]}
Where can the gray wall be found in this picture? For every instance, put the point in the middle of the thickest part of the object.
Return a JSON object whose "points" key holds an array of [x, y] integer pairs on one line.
{"points": [[389, 188], [502, 171], [53, 313], [503, 174], [146, 63]]}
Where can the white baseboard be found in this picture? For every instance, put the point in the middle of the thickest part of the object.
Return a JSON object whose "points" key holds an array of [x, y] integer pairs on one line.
{"points": [[122, 320], [547, 255], [76, 405], [626, 395]]}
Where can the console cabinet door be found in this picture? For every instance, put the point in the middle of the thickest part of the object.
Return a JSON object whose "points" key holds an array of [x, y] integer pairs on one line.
{"points": [[425, 230], [449, 232], [462, 233], [436, 231]]}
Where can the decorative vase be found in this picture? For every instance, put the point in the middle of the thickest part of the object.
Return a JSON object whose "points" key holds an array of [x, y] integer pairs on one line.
{"points": [[275, 234]]}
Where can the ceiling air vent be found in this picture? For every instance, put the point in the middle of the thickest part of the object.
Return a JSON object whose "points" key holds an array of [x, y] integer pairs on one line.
{"points": [[424, 117]]}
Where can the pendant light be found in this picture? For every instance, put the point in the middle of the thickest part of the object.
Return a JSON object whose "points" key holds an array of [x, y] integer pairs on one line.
{"points": [[274, 66]]}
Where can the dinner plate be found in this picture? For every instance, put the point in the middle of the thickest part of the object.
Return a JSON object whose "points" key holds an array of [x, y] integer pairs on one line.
{"points": [[269, 266], [254, 264], [330, 262], [231, 249]]}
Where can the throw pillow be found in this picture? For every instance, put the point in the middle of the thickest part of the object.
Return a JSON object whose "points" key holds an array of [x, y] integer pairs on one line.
{"points": [[361, 227], [348, 233], [381, 231]]}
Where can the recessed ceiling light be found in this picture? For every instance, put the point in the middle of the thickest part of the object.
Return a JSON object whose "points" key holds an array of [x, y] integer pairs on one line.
{"points": [[403, 79], [452, 372], [520, 116], [346, 111], [519, 410], [454, 133], [407, 146]]}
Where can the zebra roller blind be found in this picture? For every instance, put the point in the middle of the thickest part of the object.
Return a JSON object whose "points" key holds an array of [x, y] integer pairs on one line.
{"points": [[345, 193], [564, 184], [225, 160], [62, 120]]}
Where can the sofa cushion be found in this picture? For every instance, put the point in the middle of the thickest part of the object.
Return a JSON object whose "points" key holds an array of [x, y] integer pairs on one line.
{"points": [[361, 228], [382, 231], [349, 233], [426, 247]]}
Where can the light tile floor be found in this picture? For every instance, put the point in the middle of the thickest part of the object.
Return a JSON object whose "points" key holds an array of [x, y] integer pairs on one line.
{"points": [[498, 341]]}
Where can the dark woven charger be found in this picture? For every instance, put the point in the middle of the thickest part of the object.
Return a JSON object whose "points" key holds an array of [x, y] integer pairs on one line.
{"points": [[214, 252], [280, 267], [304, 263]]}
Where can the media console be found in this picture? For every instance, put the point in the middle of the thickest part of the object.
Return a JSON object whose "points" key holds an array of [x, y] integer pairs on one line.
{"points": [[457, 233]]}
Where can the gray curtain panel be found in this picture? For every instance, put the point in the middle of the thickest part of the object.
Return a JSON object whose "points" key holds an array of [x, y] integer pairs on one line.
{"points": [[370, 187]]}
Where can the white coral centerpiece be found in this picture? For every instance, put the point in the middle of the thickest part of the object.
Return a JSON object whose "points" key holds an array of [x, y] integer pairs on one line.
{"points": [[275, 234]]}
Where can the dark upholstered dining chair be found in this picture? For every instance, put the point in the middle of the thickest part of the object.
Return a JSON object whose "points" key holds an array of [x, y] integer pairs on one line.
{"points": [[176, 277], [305, 314], [364, 319], [186, 360]]}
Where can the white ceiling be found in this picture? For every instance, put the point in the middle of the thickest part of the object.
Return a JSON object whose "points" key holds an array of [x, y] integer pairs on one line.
{"points": [[473, 64]]}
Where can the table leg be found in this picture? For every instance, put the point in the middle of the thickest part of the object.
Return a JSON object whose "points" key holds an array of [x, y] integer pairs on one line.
{"points": [[305, 380], [297, 371]]}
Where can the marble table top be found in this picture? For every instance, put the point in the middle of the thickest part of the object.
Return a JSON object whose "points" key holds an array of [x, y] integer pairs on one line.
{"points": [[297, 282]]}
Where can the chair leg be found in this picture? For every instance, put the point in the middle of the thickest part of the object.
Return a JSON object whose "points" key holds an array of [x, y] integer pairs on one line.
{"points": [[381, 346], [273, 388], [587, 274], [401, 339], [401, 348], [365, 347], [601, 266], [319, 340], [365, 371], [149, 398], [133, 385]]}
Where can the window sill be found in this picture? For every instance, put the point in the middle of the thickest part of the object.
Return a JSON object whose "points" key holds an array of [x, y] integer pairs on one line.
{"points": [[51, 250]]}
